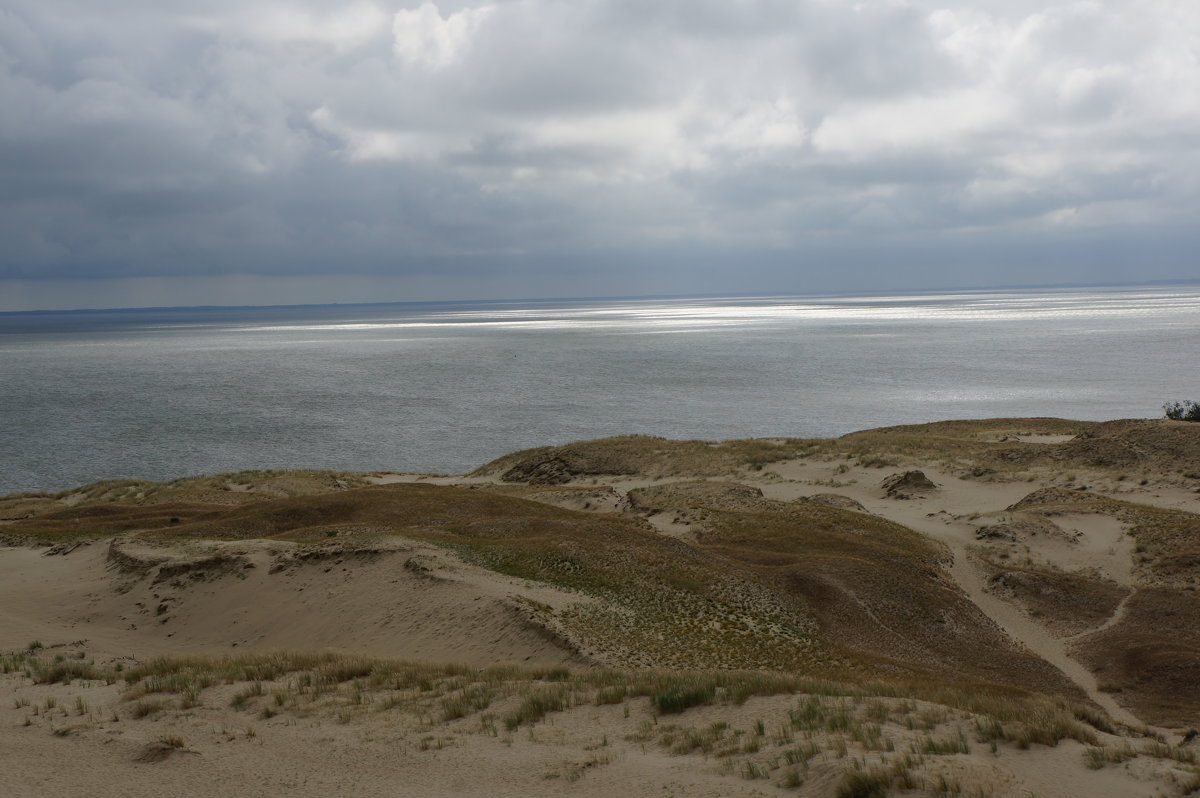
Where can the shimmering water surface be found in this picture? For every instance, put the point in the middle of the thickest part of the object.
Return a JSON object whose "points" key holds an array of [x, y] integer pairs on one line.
{"points": [[446, 387]]}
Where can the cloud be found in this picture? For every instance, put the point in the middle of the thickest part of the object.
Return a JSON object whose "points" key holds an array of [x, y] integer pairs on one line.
{"points": [[914, 123], [598, 140], [423, 36]]}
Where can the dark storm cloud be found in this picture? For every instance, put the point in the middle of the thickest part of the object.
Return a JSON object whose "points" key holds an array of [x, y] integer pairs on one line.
{"points": [[710, 141]]}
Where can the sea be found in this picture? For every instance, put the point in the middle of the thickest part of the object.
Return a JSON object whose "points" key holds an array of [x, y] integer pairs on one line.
{"points": [[445, 387]]}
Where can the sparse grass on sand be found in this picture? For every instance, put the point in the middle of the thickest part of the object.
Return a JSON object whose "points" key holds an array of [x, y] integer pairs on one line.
{"points": [[872, 738], [462, 690]]}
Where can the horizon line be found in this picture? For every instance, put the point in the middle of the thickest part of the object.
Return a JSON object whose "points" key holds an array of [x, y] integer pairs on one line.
{"points": [[641, 297]]}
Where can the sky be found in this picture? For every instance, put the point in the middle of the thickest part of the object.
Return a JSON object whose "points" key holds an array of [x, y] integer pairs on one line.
{"points": [[158, 152]]}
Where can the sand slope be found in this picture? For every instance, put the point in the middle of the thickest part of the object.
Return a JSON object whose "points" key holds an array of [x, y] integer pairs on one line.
{"points": [[395, 600]]}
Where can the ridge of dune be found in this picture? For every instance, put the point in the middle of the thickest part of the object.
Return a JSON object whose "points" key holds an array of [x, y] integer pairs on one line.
{"points": [[398, 599]]}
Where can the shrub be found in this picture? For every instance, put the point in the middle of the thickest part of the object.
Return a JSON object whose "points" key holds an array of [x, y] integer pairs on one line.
{"points": [[473, 699], [536, 706], [858, 784], [145, 708], [678, 698], [160, 750], [1186, 410]]}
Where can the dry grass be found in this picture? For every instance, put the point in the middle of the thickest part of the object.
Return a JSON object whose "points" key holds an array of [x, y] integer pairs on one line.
{"points": [[1183, 761], [649, 456], [1152, 658], [882, 587], [789, 730], [989, 445], [285, 680], [112, 507], [756, 592], [1068, 603], [160, 749]]}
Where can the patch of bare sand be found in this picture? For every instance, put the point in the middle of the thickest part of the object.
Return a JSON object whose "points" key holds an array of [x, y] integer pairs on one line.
{"points": [[322, 757], [1043, 771], [1169, 497], [408, 601], [1096, 543], [596, 500], [671, 525], [1026, 437]]}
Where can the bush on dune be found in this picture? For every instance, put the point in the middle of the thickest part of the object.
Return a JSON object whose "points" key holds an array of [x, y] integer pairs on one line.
{"points": [[1186, 410]]}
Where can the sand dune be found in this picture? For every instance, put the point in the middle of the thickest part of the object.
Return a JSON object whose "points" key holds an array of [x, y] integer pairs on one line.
{"points": [[1009, 630], [392, 600]]}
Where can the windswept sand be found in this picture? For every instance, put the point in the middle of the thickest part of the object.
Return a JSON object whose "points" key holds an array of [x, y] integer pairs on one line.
{"points": [[368, 749], [405, 601], [394, 597]]}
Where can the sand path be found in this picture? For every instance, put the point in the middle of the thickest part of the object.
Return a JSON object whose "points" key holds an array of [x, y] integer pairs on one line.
{"points": [[940, 515], [1015, 622], [1114, 619], [1017, 625]]}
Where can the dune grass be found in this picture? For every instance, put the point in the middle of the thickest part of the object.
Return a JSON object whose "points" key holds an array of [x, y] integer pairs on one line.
{"points": [[872, 735], [459, 691]]}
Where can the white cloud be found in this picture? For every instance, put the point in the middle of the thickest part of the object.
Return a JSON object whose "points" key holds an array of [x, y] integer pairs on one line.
{"points": [[342, 27], [915, 123], [370, 144], [423, 36], [763, 129]]}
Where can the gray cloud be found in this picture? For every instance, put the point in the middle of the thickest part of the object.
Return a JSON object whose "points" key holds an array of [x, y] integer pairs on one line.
{"points": [[707, 145]]}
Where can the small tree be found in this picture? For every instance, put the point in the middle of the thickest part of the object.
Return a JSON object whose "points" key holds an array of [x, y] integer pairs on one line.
{"points": [[1187, 410]]}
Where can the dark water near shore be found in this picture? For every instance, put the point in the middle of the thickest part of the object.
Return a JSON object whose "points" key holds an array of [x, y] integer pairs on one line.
{"points": [[446, 387]]}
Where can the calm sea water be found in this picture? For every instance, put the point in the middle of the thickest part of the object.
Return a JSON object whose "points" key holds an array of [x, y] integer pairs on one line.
{"points": [[162, 394]]}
